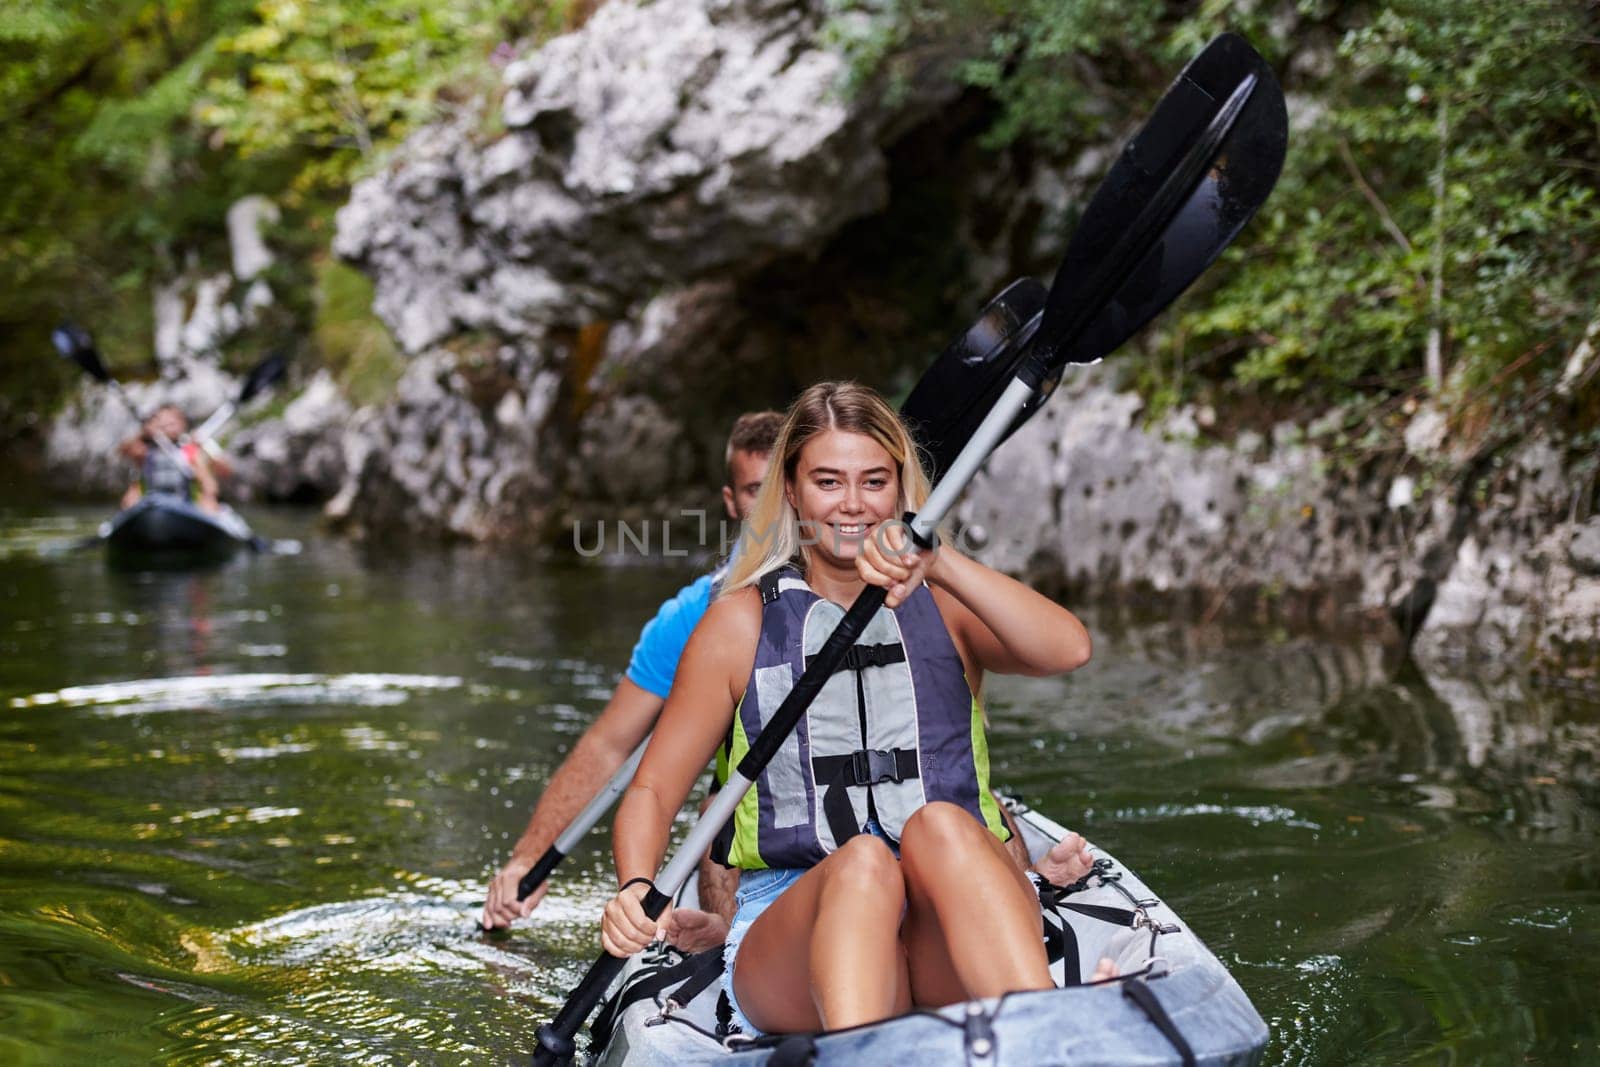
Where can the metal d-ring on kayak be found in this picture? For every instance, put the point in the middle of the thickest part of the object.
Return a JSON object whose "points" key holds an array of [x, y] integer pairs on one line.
{"points": [[1174, 1002]]}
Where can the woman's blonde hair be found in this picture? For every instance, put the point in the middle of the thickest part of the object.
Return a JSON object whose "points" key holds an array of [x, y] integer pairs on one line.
{"points": [[771, 536]]}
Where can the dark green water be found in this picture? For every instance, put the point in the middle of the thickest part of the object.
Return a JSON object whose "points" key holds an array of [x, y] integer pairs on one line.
{"points": [[245, 814]]}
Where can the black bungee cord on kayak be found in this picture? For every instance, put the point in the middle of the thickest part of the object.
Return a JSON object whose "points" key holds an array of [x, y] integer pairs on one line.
{"points": [[673, 980]]}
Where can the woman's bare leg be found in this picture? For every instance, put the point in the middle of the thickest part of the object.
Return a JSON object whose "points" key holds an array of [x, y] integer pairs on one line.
{"points": [[827, 954], [972, 925]]}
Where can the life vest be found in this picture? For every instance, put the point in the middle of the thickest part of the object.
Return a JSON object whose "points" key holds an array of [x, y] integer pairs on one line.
{"points": [[896, 727], [161, 474]]}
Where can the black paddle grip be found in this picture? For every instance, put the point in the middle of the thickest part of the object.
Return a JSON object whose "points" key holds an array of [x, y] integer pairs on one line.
{"points": [[556, 1038], [539, 872], [923, 542]]}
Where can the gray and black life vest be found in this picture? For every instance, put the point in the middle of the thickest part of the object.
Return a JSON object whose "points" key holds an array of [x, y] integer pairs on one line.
{"points": [[895, 728], [162, 474]]}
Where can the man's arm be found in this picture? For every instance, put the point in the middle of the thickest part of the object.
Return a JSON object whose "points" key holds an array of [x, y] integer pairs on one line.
{"points": [[608, 741]]}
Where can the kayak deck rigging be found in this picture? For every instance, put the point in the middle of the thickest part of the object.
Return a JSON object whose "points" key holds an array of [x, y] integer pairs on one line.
{"points": [[1172, 1002]]}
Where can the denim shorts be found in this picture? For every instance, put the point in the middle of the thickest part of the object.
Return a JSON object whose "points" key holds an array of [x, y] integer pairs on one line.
{"points": [[757, 890]]}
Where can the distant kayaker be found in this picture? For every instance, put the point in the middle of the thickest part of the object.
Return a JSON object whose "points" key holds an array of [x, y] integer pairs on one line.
{"points": [[874, 873], [167, 463], [631, 714]]}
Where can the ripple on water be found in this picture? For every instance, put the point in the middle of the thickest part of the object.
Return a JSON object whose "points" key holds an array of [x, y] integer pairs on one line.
{"points": [[1256, 814], [209, 691]]}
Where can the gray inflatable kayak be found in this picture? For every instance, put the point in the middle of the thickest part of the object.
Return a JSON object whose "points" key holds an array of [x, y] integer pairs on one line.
{"points": [[1174, 1004]]}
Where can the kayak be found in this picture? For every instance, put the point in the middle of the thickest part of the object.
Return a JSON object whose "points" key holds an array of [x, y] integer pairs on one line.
{"points": [[163, 526], [1174, 1002]]}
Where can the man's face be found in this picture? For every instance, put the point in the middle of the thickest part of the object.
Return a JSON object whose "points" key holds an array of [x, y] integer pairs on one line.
{"points": [[745, 471]]}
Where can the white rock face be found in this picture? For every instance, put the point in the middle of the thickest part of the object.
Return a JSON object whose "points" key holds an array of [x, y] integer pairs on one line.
{"points": [[300, 454], [1086, 495], [246, 217], [662, 143], [435, 460]]}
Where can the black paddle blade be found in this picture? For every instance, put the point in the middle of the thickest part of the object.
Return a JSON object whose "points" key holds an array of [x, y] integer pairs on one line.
{"points": [[264, 375], [953, 396], [1181, 190], [75, 343]]}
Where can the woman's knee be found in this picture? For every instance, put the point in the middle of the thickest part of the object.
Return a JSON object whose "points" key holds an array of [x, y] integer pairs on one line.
{"points": [[865, 864], [940, 827], [941, 836]]}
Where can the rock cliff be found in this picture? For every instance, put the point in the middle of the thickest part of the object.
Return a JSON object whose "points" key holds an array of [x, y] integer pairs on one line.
{"points": [[679, 212]]}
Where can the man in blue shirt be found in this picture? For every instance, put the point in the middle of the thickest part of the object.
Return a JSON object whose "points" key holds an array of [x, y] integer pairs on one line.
{"points": [[632, 712]]}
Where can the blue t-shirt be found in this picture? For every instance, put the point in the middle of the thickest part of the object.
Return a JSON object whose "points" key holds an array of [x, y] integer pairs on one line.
{"points": [[655, 657]]}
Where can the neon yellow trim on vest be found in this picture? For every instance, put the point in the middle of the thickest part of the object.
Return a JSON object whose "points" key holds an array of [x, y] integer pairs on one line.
{"points": [[980, 764], [743, 853], [721, 766]]}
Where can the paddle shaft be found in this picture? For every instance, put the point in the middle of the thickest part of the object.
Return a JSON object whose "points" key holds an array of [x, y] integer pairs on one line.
{"points": [[261, 376], [214, 423], [556, 1038], [581, 824]]}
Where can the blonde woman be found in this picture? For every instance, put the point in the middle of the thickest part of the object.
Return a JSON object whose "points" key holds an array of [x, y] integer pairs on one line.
{"points": [[874, 877]]}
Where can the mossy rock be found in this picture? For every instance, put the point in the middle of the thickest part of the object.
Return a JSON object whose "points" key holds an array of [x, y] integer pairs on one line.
{"points": [[353, 343]]}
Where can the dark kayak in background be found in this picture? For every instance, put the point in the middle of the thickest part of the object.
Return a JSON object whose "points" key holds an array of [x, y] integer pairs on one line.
{"points": [[165, 528]]}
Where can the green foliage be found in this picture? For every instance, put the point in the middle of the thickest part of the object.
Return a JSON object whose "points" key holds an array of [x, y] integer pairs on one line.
{"points": [[351, 339], [336, 80], [132, 125], [1336, 290], [1330, 295]]}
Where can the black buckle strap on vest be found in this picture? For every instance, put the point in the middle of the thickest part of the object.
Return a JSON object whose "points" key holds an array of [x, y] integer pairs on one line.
{"points": [[1141, 994], [861, 767], [768, 585], [862, 656], [868, 766]]}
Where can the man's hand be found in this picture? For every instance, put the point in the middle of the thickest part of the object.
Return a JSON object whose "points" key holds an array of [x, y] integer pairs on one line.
{"points": [[693, 930], [502, 908]]}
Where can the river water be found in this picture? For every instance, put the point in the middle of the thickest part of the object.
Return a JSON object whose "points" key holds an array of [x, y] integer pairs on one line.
{"points": [[245, 814]]}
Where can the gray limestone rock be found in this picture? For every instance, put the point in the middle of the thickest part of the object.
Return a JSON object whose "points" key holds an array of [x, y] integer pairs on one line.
{"points": [[662, 143], [1583, 550], [1086, 495], [461, 450], [299, 455]]}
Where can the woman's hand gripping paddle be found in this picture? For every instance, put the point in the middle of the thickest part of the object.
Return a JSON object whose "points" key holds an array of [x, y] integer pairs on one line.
{"points": [[1182, 189]]}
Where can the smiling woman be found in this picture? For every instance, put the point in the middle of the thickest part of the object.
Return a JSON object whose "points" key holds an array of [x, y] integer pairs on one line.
{"points": [[878, 818]]}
